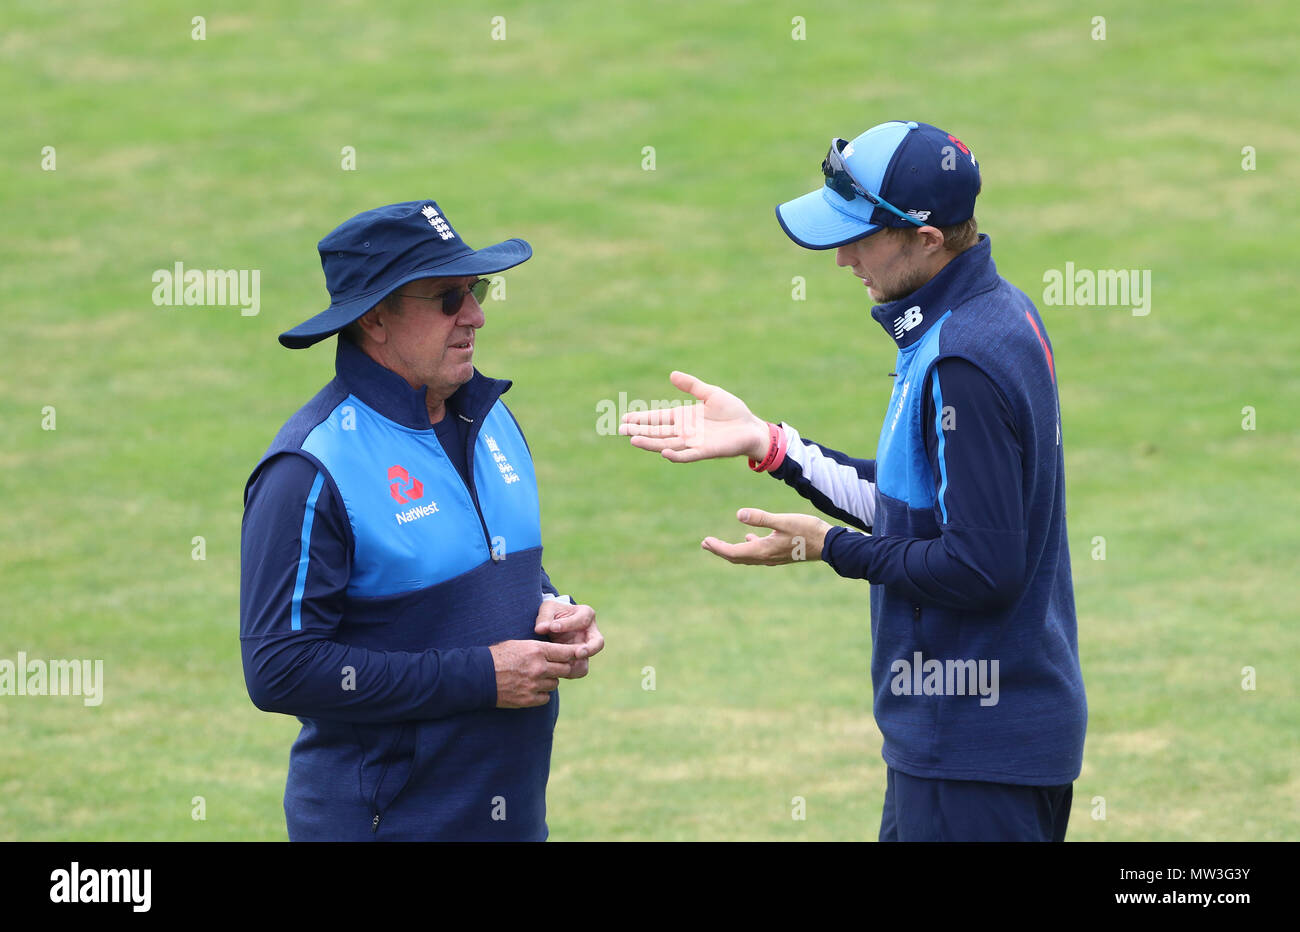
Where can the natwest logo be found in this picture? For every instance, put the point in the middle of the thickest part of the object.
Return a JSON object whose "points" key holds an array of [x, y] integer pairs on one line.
{"points": [[402, 487], [413, 514]]}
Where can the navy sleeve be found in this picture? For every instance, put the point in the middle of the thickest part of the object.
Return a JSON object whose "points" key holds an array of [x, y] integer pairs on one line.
{"points": [[547, 588], [295, 563], [978, 560]]}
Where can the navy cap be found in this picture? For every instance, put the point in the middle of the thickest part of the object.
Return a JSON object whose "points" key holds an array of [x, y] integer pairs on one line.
{"points": [[382, 249], [925, 172]]}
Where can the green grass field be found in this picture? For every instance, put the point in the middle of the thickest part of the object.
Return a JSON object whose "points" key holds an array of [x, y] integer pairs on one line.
{"points": [[1119, 153]]}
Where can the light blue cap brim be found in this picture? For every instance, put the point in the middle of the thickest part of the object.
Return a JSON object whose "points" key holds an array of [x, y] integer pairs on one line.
{"points": [[814, 222]]}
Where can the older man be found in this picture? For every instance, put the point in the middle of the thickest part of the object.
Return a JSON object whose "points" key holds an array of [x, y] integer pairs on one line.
{"points": [[975, 658], [392, 592]]}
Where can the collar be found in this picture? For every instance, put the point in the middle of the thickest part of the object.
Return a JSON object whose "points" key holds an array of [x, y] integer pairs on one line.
{"points": [[969, 274], [388, 393]]}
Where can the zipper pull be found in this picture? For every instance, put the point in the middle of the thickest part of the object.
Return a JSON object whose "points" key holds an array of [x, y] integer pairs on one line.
{"points": [[374, 826]]}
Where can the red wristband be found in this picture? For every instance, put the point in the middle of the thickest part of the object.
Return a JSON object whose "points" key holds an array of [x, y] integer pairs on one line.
{"points": [[775, 450]]}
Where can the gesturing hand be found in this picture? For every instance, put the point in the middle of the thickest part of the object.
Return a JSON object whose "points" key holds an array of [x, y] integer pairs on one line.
{"points": [[719, 425], [794, 538], [529, 671], [570, 624]]}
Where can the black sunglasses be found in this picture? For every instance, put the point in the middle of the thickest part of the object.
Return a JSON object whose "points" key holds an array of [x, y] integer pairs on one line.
{"points": [[453, 298], [840, 180]]}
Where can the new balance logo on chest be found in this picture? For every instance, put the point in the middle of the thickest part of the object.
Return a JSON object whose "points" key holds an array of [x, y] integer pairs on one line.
{"points": [[907, 320]]}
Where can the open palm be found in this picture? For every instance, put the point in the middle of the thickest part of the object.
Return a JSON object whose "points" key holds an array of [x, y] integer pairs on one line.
{"points": [[719, 424]]}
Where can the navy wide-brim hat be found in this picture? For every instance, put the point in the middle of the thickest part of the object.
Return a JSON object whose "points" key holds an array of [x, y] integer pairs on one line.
{"points": [[380, 250]]}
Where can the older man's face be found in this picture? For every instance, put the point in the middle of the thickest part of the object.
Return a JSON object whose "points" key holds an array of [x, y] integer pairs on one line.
{"points": [[425, 346]]}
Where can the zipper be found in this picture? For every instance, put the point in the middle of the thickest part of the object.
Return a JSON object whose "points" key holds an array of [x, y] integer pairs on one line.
{"points": [[379, 784], [374, 800], [471, 439], [917, 632]]}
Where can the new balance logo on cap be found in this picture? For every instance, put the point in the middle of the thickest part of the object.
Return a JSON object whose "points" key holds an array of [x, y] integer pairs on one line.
{"points": [[907, 320]]}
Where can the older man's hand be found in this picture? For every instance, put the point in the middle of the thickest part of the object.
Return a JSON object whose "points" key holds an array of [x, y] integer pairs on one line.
{"points": [[529, 671], [794, 539], [571, 624]]}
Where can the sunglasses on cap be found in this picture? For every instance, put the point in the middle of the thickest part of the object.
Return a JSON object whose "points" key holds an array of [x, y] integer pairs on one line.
{"points": [[453, 298], [840, 180]]}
